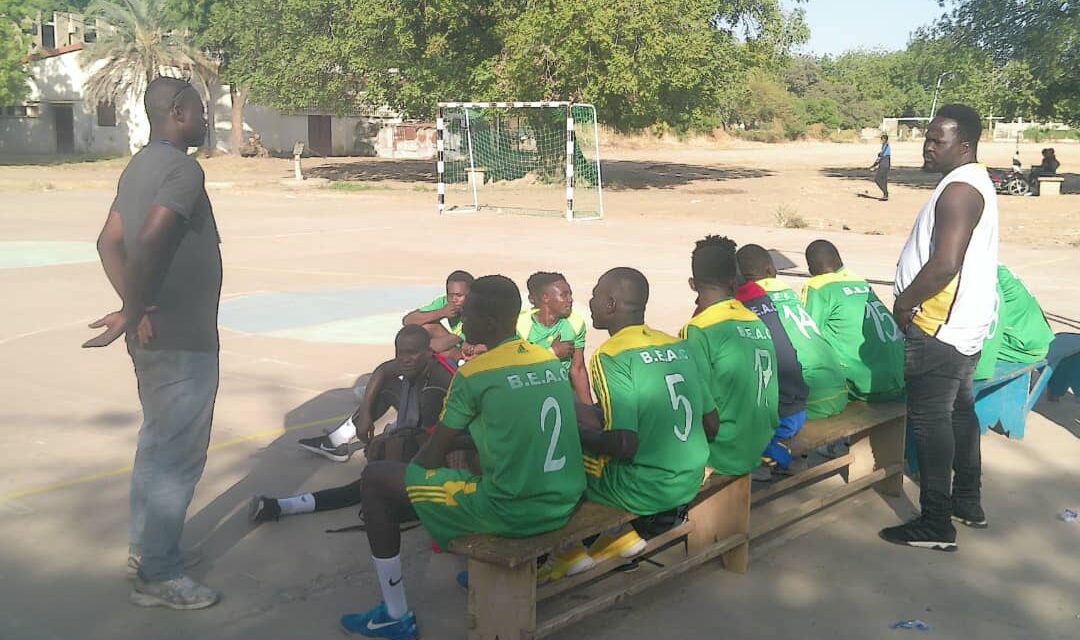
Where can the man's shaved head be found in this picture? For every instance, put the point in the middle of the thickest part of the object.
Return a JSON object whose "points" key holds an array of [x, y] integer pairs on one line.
{"points": [[412, 336], [755, 263], [175, 111], [822, 257], [619, 298], [161, 95]]}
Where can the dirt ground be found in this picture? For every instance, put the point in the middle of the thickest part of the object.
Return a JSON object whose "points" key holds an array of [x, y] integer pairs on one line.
{"points": [[69, 418]]}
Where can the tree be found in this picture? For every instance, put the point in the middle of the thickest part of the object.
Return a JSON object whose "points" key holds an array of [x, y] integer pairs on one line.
{"points": [[13, 69]]}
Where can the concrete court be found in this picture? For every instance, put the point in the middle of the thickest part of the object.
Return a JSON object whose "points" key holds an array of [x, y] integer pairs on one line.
{"points": [[69, 421]]}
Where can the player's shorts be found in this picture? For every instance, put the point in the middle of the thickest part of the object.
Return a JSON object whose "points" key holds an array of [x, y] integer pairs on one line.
{"points": [[449, 502]]}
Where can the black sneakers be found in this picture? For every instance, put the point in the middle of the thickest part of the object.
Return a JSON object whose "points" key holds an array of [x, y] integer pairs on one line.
{"points": [[969, 515], [264, 510], [922, 533], [321, 446]]}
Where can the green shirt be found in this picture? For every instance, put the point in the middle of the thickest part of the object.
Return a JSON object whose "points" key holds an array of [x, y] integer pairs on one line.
{"points": [[515, 401], [453, 324], [568, 329], [645, 382], [1019, 332], [861, 330], [735, 356], [820, 365]]}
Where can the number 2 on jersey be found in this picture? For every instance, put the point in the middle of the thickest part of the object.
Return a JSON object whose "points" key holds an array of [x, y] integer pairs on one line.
{"points": [[551, 463], [678, 399]]}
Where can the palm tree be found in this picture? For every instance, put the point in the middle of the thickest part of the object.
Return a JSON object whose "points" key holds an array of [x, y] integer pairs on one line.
{"points": [[137, 45]]}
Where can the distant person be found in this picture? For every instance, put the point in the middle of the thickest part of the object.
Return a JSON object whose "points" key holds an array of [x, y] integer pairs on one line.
{"points": [[553, 324], [517, 405], [828, 393], [442, 318], [735, 355], [159, 248], [856, 323], [881, 167], [945, 298], [1019, 332], [414, 384], [1048, 167], [1017, 165]]}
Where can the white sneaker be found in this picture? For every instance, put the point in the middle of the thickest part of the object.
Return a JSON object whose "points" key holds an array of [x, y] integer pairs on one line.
{"points": [[178, 593]]}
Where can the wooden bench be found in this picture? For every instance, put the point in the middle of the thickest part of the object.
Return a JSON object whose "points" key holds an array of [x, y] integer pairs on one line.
{"points": [[875, 458], [1050, 185], [503, 594]]}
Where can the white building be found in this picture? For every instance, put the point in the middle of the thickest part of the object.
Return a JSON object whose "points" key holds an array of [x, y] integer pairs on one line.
{"points": [[54, 118]]}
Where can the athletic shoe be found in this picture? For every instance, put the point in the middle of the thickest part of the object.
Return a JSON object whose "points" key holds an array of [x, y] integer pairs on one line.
{"points": [[321, 446], [762, 474], [178, 593], [264, 509], [922, 533], [134, 562], [626, 546], [833, 450], [377, 623], [969, 515], [566, 563]]}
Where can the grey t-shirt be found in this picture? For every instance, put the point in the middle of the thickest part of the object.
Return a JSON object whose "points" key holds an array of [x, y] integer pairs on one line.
{"points": [[187, 298]]}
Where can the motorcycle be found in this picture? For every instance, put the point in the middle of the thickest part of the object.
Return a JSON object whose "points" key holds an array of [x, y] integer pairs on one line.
{"points": [[1009, 181]]}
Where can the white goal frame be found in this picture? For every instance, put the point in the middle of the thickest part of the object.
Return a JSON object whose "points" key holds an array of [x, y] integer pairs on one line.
{"points": [[440, 127]]}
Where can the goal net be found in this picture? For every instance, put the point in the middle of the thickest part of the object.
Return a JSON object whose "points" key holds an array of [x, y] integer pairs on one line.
{"points": [[538, 158]]}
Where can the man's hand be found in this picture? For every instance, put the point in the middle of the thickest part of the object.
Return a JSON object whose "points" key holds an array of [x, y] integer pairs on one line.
{"points": [[902, 315], [450, 310], [114, 328], [562, 349], [470, 351]]}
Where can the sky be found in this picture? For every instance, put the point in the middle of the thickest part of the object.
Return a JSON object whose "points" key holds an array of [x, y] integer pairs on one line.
{"points": [[839, 25]]}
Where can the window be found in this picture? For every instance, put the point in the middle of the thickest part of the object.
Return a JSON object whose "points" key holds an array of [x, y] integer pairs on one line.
{"points": [[106, 114], [90, 35], [48, 36]]}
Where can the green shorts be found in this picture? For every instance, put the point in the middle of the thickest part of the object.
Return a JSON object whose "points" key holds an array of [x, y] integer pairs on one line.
{"points": [[449, 502]]}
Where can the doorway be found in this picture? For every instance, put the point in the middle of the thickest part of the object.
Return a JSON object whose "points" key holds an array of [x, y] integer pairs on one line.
{"points": [[319, 138], [64, 121]]}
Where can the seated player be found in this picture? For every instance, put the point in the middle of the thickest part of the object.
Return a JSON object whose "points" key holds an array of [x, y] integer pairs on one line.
{"points": [[734, 353], [441, 317], [514, 400], [856, 323], [648, 453], [789, 377], [1020, 332], [414, 383], [820, 365], [553, 323]]}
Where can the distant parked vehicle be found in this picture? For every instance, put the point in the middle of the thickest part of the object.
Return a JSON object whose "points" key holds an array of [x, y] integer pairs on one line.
{"points": [[1009, 181]]}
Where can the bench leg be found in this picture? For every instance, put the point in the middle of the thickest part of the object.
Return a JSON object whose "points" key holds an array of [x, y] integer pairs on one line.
{"points": [[502, 602], [721, 516], [880, 448]]}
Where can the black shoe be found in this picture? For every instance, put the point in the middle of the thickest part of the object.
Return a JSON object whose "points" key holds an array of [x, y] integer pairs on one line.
{"points": [[321, 446], [969, 516], [922, 533], [264, 510]]}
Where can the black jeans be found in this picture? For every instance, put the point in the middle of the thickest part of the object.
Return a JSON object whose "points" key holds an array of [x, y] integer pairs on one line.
{"points": [[941, 412], [881, 177]]}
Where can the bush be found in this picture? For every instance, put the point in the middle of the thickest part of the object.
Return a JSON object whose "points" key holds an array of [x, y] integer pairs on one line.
{"points": [[1043, 134], [788, 218]]}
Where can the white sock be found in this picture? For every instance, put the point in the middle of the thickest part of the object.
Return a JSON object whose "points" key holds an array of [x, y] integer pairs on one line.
{"points": [[390, 581], [304, 503], [344, 433]]}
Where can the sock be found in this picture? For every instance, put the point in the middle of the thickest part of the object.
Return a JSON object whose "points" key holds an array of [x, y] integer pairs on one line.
{"points": [[390, 581], [304, 503], [344, 433]]}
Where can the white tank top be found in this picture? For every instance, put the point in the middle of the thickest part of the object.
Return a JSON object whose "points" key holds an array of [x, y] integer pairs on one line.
{"points": [[961, 313]]}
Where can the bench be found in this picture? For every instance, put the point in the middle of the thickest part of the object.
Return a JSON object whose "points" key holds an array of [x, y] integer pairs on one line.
{"points": [[1004, 401], [1050, 185], [503, 594], [875, 458]]}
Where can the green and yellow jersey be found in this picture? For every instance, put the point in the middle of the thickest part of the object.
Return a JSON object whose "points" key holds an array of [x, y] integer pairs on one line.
{"points": [[646, 382], [734, 353], [862, 332], [452, 324], [516, 403], [820, 364], [1019, 332], [569, 329]]}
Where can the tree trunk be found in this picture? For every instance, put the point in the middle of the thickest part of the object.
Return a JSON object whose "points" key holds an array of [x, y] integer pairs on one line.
{"points": [[210, 144], [236, 134]]}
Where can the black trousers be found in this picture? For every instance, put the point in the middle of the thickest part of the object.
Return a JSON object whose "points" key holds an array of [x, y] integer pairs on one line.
{"points": [[941, 412], [881, 177]]}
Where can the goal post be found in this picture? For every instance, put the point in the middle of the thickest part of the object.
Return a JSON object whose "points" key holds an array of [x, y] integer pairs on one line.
{"points": [[538, 158]]}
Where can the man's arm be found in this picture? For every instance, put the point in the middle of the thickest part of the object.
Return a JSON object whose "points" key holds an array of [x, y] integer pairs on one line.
{"points": [[711, 422], [579, 377], [110, 247], [443, 440], [439, 344], [382, 373], [417, 316], [957, 213], [620, 444]]}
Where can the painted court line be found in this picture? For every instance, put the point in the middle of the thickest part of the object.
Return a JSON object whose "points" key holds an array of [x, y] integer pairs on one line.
{"points": [[120, 471]]}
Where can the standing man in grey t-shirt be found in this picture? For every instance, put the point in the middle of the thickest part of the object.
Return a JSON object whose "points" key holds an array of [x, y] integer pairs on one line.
{"points": [[159, 248]]}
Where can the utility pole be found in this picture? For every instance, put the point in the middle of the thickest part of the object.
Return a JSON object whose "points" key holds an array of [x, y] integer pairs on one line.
{"points": [[933, 105]]}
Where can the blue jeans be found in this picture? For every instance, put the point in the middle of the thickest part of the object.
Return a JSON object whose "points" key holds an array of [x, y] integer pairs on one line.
{"points": [[789, 427], [177, 390]]}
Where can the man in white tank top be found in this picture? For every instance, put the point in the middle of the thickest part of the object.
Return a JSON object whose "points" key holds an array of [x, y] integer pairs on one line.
{"points": [[945, 299]]}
